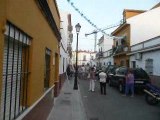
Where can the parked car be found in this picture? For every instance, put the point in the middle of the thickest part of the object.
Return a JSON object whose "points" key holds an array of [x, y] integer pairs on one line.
{"points": [[117, 78], [109, 70]]}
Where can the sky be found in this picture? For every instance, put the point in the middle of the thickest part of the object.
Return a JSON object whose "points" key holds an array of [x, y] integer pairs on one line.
{"points": [[100, 12]]}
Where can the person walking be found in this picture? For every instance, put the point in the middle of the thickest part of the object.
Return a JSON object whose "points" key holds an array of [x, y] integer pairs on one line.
{"points": [[68, 72], [92, 80], [129, 83], [102, 79], [87, 68], [83, 72]]}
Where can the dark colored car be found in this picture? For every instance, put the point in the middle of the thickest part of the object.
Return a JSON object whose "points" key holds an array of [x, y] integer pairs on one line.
{"points": [[109, 70], [117, 78]]}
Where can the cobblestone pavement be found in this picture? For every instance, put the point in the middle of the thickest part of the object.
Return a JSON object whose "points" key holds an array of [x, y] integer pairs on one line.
{"points": [[114, 106]]}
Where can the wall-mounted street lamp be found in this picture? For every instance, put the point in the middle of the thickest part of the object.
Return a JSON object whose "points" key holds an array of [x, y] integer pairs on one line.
{"points": [[78, 27]]}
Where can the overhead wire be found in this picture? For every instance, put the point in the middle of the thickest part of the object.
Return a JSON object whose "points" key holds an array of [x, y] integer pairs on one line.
{"points": [[90, 21]]}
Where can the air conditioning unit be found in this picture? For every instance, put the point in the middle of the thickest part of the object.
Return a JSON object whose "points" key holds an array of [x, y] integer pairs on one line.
{"points": [[138, 56]]}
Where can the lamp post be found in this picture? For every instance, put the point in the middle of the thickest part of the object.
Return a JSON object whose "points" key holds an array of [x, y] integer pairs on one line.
{"points": [[78, 27]]}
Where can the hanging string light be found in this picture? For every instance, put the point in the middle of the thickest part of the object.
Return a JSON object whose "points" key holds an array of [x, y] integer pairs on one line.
{"points": [[90, 22], [83, 15]]}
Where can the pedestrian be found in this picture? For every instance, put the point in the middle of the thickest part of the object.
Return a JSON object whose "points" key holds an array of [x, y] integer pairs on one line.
{"points": [[68, 72], [102, 79], [83, 72], [92, 80], [87, 68], [129, 83]]}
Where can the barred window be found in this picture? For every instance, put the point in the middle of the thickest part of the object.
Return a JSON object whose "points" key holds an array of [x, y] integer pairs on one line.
{"points": [[149, 66], [15, 72], [47, 68]]}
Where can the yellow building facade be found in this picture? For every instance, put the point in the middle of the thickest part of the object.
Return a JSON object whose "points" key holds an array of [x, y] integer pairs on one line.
{"points": [[29, 55], [120, 57], [121, 44]]}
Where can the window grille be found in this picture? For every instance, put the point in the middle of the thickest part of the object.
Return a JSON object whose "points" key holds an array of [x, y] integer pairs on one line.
{"points": [[15, 73], [48, 69], [149, 66]]}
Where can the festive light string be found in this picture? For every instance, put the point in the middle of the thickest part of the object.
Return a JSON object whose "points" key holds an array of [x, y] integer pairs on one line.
{"points": [[91, 23], [82, 15]]}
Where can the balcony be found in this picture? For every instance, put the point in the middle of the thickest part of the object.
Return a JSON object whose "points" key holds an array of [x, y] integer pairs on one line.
{"points": [[99, 55], [69, 47], [120, 49], [70, 37], [70, 28]]}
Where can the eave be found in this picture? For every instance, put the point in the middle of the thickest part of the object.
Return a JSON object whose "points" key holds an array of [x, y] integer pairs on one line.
{"points": [[48, 15], [119, 29]]}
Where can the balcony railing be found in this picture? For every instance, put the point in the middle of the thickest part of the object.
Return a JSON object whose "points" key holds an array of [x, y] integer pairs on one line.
{"points": [[70, 28], [120, 49], [70, 37], [99, 55]]}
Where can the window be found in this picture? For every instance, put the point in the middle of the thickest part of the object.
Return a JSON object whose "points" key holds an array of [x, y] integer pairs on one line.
{"points": [[63, 64], [149, 66], [92, 58], [122, 63], [84, 57], [116, 43], [133, 64], [15, 72], [47, 68]]}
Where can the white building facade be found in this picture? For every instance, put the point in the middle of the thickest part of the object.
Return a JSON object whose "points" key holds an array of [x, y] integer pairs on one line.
{"points": [[84, 57], [66, 43], [146, 56], [144, 26], [145, 42], [104, 56]]}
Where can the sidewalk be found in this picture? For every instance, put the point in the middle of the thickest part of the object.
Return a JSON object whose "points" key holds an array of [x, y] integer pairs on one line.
{"points": [[68, 105]]}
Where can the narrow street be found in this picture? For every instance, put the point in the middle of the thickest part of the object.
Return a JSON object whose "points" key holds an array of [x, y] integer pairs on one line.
{"points": [[114, 106]]}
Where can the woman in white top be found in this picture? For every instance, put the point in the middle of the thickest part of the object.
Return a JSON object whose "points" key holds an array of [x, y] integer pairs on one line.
{"points": [[102, 78]]}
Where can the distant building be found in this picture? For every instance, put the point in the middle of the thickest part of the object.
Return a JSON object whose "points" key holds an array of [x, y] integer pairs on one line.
{"points": [[84, 57], [104, 55]]}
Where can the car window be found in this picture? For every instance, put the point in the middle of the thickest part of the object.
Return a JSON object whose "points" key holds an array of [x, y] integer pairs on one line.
{"points": [[140, 73], [121, 71], [112, 69]]}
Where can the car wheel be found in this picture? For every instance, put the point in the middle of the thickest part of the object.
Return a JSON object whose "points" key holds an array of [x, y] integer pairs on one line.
{"points": [[120, 88], [150, 100]]}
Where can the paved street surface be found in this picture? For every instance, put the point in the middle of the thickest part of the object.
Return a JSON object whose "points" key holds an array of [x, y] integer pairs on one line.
{"points": [[114, 106], [68, 105]]}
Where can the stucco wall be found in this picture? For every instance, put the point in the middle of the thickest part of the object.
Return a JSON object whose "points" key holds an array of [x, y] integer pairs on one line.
{"points": [[145, 26], [152, 55], [55, 13], [108, 42], [27, 16], [64, 28], [124, 32]]}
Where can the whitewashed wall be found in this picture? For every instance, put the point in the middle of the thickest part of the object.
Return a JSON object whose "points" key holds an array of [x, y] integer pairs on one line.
{"points": [[145, 26], [108, 42], [106, 61], [145, 44], [64, 35], [152, 55]]}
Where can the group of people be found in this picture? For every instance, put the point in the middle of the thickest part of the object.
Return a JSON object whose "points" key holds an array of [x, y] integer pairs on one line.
{"points": [[90, 74], [86, 72]]}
